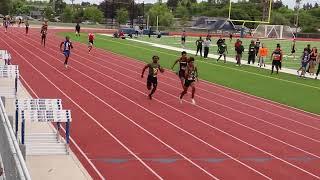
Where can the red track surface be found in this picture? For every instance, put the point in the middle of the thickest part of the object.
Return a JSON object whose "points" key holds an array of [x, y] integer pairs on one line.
{"points": [[117, 133]]}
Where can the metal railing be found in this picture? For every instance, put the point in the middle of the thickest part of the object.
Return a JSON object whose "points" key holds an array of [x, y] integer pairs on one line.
{"points": [[13, 162]]}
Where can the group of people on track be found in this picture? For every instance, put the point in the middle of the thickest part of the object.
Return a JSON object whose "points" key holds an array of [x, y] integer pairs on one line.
{"points": [[187, 73]]}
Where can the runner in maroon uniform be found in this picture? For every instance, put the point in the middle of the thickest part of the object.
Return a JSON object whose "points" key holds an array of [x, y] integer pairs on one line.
{"points": [[152, 80], [91, 39], [191, 75], [183, 62]]}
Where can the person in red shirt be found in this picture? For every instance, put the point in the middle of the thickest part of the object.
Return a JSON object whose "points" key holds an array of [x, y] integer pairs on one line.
{"points": [[91, 39]]}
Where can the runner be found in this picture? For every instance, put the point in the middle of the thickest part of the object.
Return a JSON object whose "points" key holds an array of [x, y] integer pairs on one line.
{"points": [[26, 23], [152, 79], [263, 53], [67, 46], [191, 75], [222, 50], [183, 39], [91, 39], [5, 24], [43, 32], [78, 29], [276, 57], [199, 46], [183, 62]]}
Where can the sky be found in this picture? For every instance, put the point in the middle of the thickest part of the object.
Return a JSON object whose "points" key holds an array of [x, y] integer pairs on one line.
{"points": [[290, 3]]}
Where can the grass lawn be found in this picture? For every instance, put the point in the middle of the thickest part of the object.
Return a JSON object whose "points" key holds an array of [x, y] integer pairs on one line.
{"points": [[288, 62], [283, 88]]}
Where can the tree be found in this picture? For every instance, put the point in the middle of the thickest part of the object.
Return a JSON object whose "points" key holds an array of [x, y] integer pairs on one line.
{"points": [[67, 15], [172, 3], [93, 14], [4, 7], [182, 12], [49, 13], [122, 16], [164, 14], [59, 6]]}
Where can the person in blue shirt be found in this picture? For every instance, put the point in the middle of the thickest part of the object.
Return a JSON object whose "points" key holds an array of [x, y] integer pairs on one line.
{"points": [[67, 46]]}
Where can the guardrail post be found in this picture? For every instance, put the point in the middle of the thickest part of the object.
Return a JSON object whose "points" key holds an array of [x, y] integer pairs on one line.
{"points": [[67, 135], [22, 130]]}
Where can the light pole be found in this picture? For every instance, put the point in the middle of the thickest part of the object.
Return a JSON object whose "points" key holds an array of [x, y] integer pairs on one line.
{"points": [[297, 7]]}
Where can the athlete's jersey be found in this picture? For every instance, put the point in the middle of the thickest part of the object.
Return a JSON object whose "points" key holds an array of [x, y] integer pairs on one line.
{"points": [[313, 56], [257, 44], [153, 69], [191, 73], [252, 49], [183, 63], [277, 56], [305, 57], [222, 48], [67, 45], [91, 37]]}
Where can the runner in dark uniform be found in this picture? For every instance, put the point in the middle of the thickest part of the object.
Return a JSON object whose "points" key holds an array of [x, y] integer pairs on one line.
{"points": [[252, 53], [27, 26], [183, 61], [183, 39], [199, 46], [78, 29], [43, 32], [67, 46], [191, 75], [293, 49], [257, 46], [152, 80]]}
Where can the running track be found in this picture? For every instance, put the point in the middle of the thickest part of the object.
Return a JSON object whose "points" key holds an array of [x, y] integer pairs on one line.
{"points": [[117, 133]]}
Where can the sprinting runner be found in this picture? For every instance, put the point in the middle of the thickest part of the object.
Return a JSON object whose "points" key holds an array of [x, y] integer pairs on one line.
{"points": [[276, 57], [183, 62], [26, 23], [43, 32], [5, 24], [152, 79], [263, 53], [67, 46], [252, 53], [19, 22], [91, 39], [78, 29], [199, 46], [191, 75], [183, 39], [222, 50]]}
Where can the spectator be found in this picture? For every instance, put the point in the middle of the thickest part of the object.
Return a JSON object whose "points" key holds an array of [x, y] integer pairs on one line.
{"points": [[263, 53], [276, 57], [239, 50], [252, 53], [318, 61], [313, 61], [206, 45], [305, 59], [199, 46]]}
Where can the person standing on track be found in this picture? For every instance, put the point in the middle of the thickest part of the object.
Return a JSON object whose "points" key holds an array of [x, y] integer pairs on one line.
{"points": [[199, 46], [67, 46], [152, 79], [206, 44], [91, 39], [78, 29], [183, 62], [276, 57], [5, 24], [26, 23], [43, 32], [191, 75], [222, 50]]}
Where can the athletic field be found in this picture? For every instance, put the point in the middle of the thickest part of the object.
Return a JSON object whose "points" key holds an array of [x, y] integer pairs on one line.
{"points": [[283, 88]]}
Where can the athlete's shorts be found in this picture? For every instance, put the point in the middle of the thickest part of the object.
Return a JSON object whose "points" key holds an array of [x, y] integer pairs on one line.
{"points": [[66, 53], [152, 81], [91, 42], [181, 74], [77, 31], [276, 63], [293, 51], [187, 82], [304, 64], [183, 39]]}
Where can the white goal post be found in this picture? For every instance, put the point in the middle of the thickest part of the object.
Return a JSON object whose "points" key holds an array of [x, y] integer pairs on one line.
{"points": [[273, 31]]}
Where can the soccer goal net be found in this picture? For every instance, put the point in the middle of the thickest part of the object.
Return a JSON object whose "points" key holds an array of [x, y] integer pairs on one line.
{"points": [[273, 31]]}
